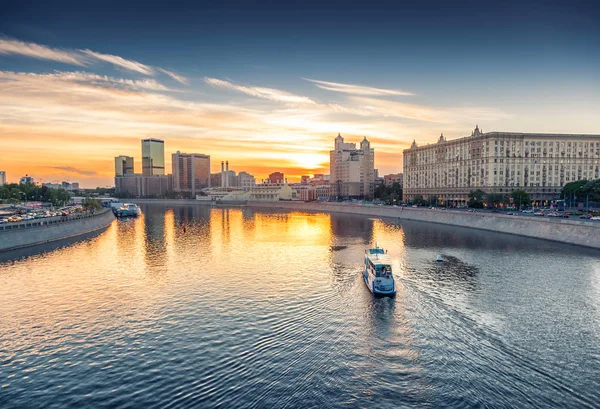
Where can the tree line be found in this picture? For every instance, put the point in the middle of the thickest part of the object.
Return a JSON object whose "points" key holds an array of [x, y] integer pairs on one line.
{"points": [[15, 192]]}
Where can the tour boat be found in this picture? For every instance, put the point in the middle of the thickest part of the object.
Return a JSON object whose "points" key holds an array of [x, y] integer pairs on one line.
{"points": [[439, 258], [128, 210], [378, 272]]}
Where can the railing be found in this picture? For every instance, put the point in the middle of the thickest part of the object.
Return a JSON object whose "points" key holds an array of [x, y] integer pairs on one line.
{"points": [[28, 224]]}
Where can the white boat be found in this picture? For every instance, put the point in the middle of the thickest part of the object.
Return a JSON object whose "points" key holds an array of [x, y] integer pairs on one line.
{"points": [[128, 210], [439, 258], [378, 272]]}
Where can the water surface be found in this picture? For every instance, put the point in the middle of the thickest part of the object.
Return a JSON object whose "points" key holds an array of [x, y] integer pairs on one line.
{"points": [[200, 307]]}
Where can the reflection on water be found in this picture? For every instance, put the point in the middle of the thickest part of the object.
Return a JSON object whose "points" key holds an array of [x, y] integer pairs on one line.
{"points": [[192, 306]]}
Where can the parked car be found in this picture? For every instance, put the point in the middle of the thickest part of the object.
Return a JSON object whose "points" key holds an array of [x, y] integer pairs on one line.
{"points": [[540, 213], [565, 215], [595, 218], [585, 216], [553, 214]]}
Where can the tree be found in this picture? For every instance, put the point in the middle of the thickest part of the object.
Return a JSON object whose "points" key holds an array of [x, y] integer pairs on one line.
{"points": [[494, 199], [476, 198], [389, 194], [520, 198], [418, 200]]}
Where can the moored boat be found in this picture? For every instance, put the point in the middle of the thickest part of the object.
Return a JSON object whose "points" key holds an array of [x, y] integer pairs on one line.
{"points": [[128, 210], [378, 272]]}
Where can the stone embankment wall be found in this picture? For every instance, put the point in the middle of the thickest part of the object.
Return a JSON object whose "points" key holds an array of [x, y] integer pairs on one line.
{"points": [[571, 231], [24, 234]]}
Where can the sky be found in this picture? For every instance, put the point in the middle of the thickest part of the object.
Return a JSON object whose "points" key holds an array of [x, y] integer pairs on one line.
{"points": [[268, 85]]}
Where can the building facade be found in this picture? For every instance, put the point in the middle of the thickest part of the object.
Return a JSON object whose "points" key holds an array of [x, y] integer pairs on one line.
{"points": [[26, 179], [246, 181], [392, 178], [2, 177], [276, 177], [499, 162], [153, 157], [352, 171], [123, 165], [137, 185], [191, 172]]}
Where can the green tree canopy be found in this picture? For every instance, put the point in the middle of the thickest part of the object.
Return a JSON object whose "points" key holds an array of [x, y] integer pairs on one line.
{"points": [[520, 198]]}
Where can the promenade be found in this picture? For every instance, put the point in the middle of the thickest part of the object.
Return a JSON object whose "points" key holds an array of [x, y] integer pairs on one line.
{"points": [[33, 232]]}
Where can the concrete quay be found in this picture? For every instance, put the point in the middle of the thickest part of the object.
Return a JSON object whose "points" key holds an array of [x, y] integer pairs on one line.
{"points": [[15, 236]]}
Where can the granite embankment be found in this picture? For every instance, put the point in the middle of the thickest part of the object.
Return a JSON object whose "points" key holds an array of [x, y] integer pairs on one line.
{"points": [[571, 231], [31, 233]]}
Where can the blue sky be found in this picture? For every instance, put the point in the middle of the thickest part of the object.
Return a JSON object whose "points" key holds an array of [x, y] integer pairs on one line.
{"points": [[510, 66]]}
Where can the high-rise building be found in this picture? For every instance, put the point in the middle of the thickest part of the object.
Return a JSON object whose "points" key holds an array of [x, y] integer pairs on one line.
{"points": [[276, 177], [498, 163], [123, 165], [153, 157], [191, 172], [2, 177], [352, 171]]}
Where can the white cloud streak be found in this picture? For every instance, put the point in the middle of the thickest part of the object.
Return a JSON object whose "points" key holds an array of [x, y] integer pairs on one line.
{"points": [[271, 94], [357, 89], [121, 62], [176, 77], [32, 50], [81, 77]]}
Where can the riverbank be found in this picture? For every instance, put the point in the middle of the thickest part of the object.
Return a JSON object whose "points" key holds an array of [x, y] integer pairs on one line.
{"points": [[33, 233], [570, 231]]}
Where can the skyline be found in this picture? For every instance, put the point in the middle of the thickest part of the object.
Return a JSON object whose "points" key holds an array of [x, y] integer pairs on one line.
{"points": [[268, 87]]}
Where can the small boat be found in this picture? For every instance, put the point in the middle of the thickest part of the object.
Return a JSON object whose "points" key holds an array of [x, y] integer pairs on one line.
{"points": [[128, 210], [439, 258], [378, 272]]}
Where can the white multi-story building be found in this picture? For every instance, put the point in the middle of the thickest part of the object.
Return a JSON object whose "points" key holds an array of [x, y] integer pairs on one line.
{"points": [[2, 177], [246, 181], [499, 162], [352, 171]]}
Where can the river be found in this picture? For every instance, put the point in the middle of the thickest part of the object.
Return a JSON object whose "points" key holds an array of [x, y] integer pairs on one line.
{"points": [[199, 307]]}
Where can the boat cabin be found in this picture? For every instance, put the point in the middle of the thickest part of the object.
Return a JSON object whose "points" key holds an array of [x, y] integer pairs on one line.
{"points": [[381, 265]]}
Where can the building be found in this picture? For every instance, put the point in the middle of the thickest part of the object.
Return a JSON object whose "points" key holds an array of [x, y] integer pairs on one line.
{"points": [[305, 179], [123, 165], [153, 157], [392, 178], [26, 179], [137, 185], [276, 177], [2, 177], [499, 162], [246, 181], [352, 171], [191, 172], [272, 192]]}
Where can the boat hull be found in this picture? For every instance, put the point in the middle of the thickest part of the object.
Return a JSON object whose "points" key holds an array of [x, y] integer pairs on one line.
{"points": [[375, 291]]}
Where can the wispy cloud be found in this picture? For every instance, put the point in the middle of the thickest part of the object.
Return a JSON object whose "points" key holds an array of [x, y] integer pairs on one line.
{"points": [[374, 107], [11, 46], [357, 89], [71, 169], [95, 79], [121, 62], [176, 77], [261, 92]]}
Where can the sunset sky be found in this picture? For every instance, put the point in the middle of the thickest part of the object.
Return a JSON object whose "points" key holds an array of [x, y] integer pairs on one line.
{"points": [[269, 85]]}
